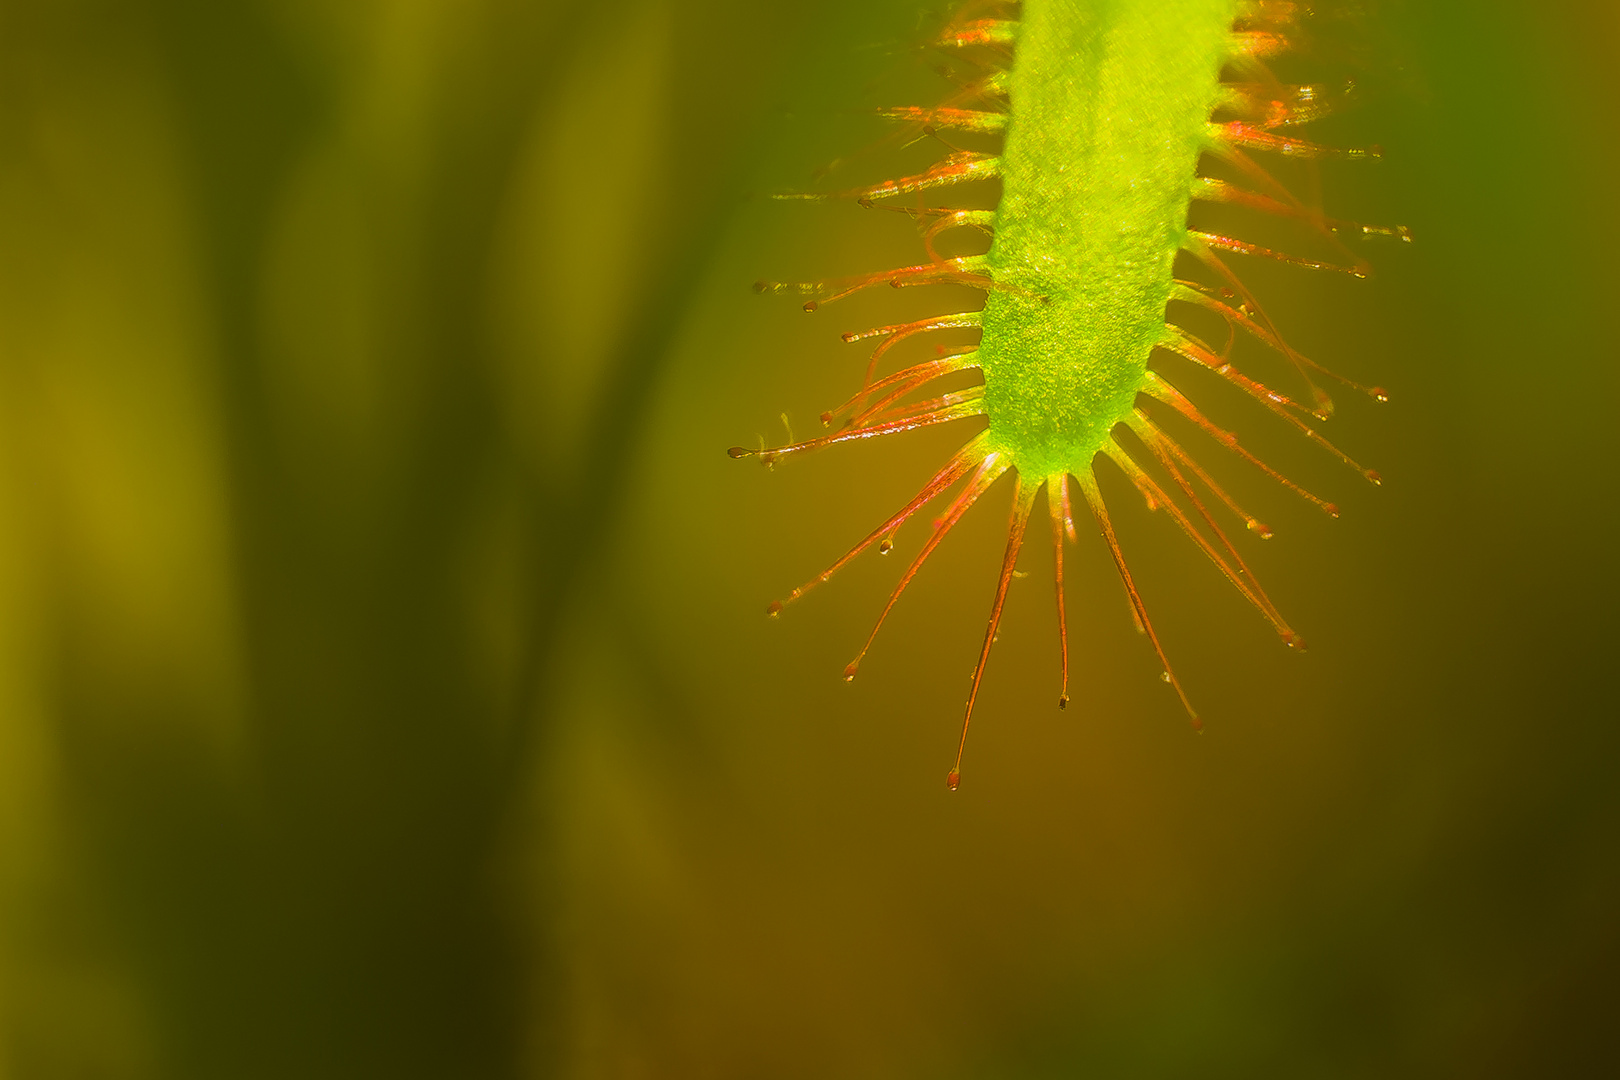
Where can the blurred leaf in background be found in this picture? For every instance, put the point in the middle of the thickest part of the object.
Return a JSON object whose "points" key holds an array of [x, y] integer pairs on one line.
{"points": [[384, 682], [326, 331]]}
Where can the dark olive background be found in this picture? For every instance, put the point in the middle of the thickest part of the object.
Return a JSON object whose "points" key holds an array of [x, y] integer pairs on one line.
{"points": [[384, 682]]}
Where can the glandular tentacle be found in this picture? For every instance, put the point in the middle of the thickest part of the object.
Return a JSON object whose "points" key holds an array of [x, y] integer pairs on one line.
{"points": [[988, 472], [1023, 502], [1160, 389], [962, 463], [1099, 510]]}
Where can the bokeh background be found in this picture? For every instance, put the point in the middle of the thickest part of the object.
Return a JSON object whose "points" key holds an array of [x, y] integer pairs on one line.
{"points": [[384, 682]]}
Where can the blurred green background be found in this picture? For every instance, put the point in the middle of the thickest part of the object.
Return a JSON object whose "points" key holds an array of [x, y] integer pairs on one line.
{"points": [[384, 684]]}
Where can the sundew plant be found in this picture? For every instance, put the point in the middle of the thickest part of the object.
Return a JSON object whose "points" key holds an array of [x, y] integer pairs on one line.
{"points": [[1105, 311]]}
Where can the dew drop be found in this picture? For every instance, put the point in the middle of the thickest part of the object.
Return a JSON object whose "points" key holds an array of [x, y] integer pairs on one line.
{"points": [[1372, 475], [1063, 702], [885, 546], [810, 305], [953, 779], [1379, 393], [849, 336], [774, 609], [826, 419], [1261, 529], [1332, 509], [849, 672], [1295, 642], [737, 452], [1165, 675]]}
